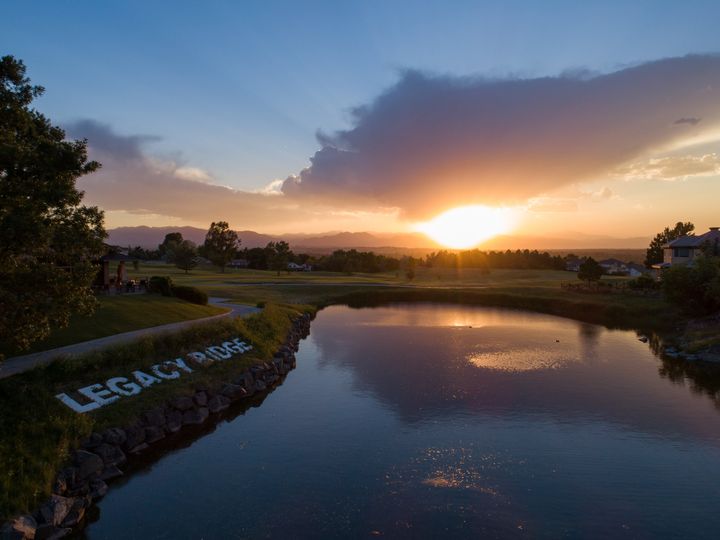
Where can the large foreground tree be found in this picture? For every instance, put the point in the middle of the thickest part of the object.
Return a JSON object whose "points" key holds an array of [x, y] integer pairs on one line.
{"points": [[48, 239]]}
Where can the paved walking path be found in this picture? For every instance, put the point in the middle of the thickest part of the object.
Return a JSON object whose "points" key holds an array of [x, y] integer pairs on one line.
{"points": [[18, 364]]}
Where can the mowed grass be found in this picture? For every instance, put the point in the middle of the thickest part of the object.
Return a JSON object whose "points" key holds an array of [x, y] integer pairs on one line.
{"points": [[124, 313], [528, 289], [37, 432], [535, 290]]}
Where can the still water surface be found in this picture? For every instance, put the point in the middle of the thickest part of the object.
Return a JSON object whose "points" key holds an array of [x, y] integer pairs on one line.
{"points": [[440, 421]]}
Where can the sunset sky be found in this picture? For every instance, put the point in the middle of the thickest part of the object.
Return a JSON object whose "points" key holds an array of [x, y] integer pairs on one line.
{"points": [[549, 118]]}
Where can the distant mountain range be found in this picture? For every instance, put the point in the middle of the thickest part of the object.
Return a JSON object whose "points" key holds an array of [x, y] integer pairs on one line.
{"points": [[150, 237]]}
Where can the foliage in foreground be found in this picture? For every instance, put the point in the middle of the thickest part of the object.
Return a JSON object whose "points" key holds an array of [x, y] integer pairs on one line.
{"points": [[694, 288], [47, 237], [37, 432]]}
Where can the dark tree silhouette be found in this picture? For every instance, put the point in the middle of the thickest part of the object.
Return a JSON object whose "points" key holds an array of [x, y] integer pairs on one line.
{"points": [[590, 270], [48, 239], [183, 255], [221, 244]]}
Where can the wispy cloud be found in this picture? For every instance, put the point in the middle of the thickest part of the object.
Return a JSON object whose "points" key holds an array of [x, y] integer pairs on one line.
{"points": [[671, 168]]}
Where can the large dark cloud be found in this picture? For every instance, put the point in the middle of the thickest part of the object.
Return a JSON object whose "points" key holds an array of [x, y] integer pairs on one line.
{"points": [[433, 142]]}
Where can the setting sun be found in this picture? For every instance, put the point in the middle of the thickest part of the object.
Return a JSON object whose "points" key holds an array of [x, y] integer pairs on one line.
{"points": [[467, 226]]}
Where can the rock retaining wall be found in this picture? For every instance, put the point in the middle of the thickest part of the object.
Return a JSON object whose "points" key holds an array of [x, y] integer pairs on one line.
{"points": [[101, 455]]}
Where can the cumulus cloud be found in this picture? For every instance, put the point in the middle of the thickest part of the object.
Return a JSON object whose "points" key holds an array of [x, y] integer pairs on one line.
{"points": [[672, 168], [135, 182], [434, 142]]}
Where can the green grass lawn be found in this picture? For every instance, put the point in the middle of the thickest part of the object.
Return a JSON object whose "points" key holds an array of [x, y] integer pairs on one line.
{"points": [[528, 289], [537, 290], [124, 313]]}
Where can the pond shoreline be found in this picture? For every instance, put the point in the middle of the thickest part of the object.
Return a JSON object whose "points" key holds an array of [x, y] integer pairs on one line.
{"points": [[84, 479]]}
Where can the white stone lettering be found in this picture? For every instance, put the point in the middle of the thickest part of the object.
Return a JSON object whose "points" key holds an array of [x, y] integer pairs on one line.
{"points": [[241, 345], [230, 347], [180, 364], [122, 386], [117, 387], [144, 379], [77, 407], [172, 375], [99, 394], [220, 352], [199, 357]]}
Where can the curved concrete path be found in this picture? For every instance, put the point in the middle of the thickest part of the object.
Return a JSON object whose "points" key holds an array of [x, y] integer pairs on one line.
{"points": [[18, 364]]}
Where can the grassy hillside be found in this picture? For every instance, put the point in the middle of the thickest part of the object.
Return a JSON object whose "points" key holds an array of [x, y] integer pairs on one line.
{"points": [[124, 313]]}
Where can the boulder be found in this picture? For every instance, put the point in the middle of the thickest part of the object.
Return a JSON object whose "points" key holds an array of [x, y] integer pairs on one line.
{"points": [[218, 403], [154, 434], [111, 454], [56, 509], [195, 416], [50, 532], [260, 386], [233, 392], [139, 448], [201, 399], [98, 489], [173, 421], [155, 417], [182, 403], [92, 441], [20, 527], [135, 436], [76, 514], [110, 472], [88, 464], [64, 480], [246, 380], [115, 436]]}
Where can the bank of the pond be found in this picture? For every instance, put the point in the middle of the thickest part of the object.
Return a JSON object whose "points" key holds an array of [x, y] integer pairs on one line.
{"points": [[151, 389], [645, 314]]}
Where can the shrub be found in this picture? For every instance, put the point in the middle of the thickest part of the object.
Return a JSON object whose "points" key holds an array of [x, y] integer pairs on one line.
{"points": [[191, 294], [160, 284], [643, 283], [590, 270], [696, 288]]}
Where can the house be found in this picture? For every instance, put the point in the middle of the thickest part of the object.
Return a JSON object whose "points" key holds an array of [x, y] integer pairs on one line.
{"points": [[299, 267], [239, 263], [614, 266], [637, 270], [573, 265], [683, 250]]}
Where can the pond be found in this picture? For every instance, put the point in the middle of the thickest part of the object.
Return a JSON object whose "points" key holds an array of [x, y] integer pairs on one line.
{"points": [[443, 421]]}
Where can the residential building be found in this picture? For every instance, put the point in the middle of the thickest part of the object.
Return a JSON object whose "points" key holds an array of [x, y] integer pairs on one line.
{"points": [[683, 250]]}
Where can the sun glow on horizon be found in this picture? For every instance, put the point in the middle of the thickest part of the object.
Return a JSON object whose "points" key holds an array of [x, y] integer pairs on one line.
{"points": [[467, 226]]}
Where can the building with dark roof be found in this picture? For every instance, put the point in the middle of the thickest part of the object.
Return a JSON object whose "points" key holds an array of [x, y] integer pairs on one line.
{"points": [[683, 250]]}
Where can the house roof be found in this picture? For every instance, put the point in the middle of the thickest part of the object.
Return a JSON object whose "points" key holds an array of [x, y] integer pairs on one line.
{"points": [[610, 262], [638, 267], [696, 241]]}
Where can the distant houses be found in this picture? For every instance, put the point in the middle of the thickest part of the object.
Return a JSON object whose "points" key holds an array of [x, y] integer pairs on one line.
{"points": [[239, 263], [685, 249], [294, 267], [613, 267]]}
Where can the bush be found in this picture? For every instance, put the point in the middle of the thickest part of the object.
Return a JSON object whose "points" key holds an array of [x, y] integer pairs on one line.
{"points": [[190, 294], [160, 284], [696, 288], [590, 270], [643, 283]]}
